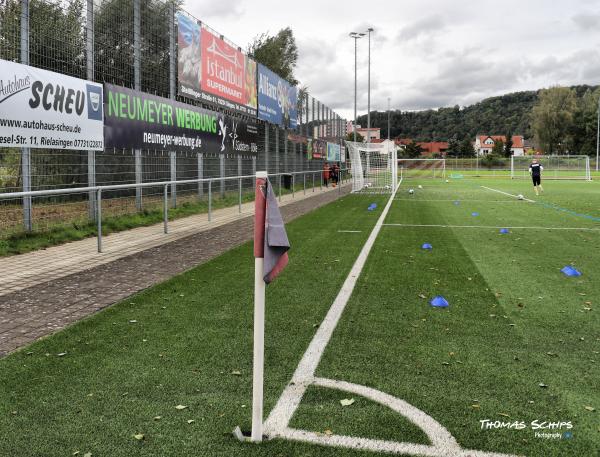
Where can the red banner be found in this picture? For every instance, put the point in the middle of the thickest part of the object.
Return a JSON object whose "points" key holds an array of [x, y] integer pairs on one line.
{"points": [[223, 69]]}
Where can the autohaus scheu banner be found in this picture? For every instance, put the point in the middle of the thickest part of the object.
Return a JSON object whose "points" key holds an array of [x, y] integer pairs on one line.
{"points": [[137, 120], [43, 109]]}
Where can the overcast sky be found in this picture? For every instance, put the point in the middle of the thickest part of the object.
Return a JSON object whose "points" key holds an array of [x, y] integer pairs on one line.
{"points": [[424, 53]]}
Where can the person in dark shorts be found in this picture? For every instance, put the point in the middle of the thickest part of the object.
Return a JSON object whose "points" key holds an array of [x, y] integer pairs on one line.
{"points": [[535, 170]]}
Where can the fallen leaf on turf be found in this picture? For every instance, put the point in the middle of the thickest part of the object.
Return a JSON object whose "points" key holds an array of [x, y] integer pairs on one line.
{"points": [[474, 406], [157, 418], [445, 363], [542, 385], [552, 354], [75, 453], [503, 414], [87, 454], [422, 296], [589, 408], [180, 407], [133, 321], [236, 373], [347, 401], [62, 354], [328, 432], [139, 436], [191, 421]]}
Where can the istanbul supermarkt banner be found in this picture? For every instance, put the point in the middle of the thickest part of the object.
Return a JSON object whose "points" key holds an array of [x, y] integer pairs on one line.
{"points": [[277, 99], [212, 71], [43, 109], [136, 120]]}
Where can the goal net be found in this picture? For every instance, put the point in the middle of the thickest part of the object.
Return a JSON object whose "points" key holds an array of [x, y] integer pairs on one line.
{"points": [[372, 167], [422, 168], [555, 167]]}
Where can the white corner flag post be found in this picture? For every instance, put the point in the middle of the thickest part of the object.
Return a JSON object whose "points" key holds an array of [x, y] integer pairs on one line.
{"points": [[259, 316]]}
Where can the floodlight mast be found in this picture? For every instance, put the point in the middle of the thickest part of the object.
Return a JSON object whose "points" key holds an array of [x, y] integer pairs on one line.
{"points": [[369, 30], [355, 36]]}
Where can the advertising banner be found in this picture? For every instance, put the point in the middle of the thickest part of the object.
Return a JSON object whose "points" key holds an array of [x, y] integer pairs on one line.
{"points": [[138, 120], [319, 149], [277, 99], [309, 149], [211, 70], [43, 109], [333, 152]]}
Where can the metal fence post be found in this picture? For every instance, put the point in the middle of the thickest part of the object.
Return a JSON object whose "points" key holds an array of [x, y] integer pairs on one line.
{"points": [[172, 94], [173, 164], [267, 131], [99, 218], [200, 175], [293, 185], [91, 155], [239, 163], [166, 208], [304, 183], [222, 174], [276, 149], [209, 200], [137, 86], [26, 152], [254, 166]]}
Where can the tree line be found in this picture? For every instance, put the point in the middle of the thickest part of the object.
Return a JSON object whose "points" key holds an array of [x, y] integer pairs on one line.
{"points": [[559, 120]]}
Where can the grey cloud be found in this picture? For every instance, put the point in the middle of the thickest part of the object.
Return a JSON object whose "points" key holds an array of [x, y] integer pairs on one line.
{"points": [[423, 28], [212, 9], [587, 21]]}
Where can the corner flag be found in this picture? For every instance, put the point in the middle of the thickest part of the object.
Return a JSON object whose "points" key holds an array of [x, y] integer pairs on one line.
{"points": [[270, 257], [270, 239]]}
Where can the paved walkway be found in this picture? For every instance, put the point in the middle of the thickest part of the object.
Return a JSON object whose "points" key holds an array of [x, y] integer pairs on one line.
{"points": [[43, 291]]}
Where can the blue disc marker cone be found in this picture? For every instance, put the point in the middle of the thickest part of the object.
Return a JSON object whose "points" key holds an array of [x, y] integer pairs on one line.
{"points": [[456, 202], [570, 271], [475, 214], [427, 246], [374, 205], [504, 231], [439, 302]]}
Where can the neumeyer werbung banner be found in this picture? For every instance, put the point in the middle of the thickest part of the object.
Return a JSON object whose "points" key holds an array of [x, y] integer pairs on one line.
{"points": [[333, 152], [43, 109], [277, 99], [211, 70], [136, 120]]}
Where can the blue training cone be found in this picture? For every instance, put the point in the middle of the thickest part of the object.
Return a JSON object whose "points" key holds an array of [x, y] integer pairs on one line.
{"points": [[504, 231], [427, 246], [474, 214], [439, 302], [570, 271], [374, 205], [456, 202]]}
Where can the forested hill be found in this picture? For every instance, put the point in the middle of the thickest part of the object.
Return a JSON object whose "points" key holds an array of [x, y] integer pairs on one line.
{"points": [[495, 116]]}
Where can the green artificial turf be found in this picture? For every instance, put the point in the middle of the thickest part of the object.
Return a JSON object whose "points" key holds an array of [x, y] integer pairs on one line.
{"points": [[514, 322]]}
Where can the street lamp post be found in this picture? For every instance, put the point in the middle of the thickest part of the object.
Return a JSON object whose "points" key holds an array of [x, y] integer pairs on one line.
{"points": [[598, 136], [369, 30], [356, 36], [388, 118]]}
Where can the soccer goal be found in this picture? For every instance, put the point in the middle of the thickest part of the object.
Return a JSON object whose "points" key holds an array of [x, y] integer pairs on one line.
{"points": [[372, 167], [422, 168], [555, 167]]}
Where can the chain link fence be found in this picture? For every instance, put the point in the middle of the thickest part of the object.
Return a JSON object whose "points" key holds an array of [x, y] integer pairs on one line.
{"points": [[129, 43]]}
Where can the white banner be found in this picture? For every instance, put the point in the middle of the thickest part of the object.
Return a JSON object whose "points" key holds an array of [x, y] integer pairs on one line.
{"points": [[43, 109]]}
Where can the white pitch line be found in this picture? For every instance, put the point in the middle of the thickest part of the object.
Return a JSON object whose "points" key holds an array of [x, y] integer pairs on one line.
{"points": [[455, 200], [289, 401], [349, 231], [589, 229], [506, 193]]}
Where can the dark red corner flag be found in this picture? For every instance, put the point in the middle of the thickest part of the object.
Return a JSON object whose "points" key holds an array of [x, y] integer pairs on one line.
{"points": [[270, 238]]}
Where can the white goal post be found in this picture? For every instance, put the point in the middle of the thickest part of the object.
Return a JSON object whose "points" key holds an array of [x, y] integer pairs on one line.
{"points": [[422, 168], [372, 167], [555, 166]]}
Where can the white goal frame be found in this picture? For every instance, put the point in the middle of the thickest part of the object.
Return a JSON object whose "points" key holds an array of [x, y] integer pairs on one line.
{"points": [[406, 172], [372, 167], [552, 170]]}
